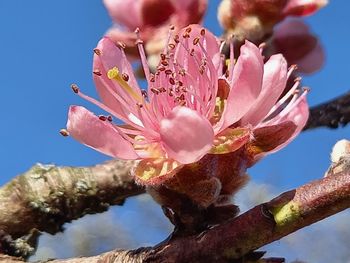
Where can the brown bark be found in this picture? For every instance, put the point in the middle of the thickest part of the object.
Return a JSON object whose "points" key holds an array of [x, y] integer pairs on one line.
{"points": [[46, 197], [265, 223], [331, 114]]}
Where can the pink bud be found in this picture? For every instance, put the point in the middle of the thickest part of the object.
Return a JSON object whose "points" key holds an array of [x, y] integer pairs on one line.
{"points": [[294, 40]]}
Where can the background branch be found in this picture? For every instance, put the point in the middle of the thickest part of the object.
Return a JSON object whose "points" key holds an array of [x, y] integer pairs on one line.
{"points": [[46, 197], [331, 114]]}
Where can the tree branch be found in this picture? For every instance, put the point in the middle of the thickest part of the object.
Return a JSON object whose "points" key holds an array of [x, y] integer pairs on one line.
{"points": [[330, 114], [46, 197], [263, 224]]}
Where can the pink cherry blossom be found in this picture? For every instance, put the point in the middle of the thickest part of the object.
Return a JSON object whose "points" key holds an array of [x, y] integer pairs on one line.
{"points": [[190, 108], [153, 18]]}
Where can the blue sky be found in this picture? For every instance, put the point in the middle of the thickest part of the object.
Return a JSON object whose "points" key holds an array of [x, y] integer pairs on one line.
{"points": [[47, 45]]}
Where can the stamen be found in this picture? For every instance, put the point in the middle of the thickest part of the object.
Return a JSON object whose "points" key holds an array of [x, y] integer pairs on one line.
{"points": [[97, 51], [164, 63], [97, 72], [125, 77], [162, 56], [195, 41], [155, 91], [114, 74], [75, 88], [142, 55], [291, 69], [64, 132], [262, 46], [144, 94], [168, 72], [121, 44], [102, 117]]}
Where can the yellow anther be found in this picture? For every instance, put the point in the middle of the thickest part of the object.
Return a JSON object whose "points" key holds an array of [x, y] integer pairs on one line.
{"points": [[114, 74]]}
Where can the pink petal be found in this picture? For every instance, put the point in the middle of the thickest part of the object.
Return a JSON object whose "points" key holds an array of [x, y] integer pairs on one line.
{"points": [[100, 135], [125, 12], [186, 135], [182, 4], [268, 138], [155, 13], [105, 94], [109, 56], [189, 11], [303, 7], [246, 84], [299, 46], [112, 56], [313, 61], [274, 82], [116, 34], [299, 115]]}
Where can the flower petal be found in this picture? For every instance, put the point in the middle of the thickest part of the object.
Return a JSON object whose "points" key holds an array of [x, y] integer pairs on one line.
{"points": [[155, 171], [303, 7], [100, 135], [268, 138], [288, 127], [155, 13], [246, 84], [111, 56], [298, 45], [230, 140], [125, 12], [107, 56], [186, 135], [313, 61], [274, 82], [299, 115]]}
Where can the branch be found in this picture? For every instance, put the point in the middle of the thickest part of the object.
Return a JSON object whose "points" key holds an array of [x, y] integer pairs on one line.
{"points": [[263, 224], [330, 114], [238, 237], [46, 197]]}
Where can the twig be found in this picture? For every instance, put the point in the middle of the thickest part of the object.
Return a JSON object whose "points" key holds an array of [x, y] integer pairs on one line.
{"points": [[331, 114]]}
